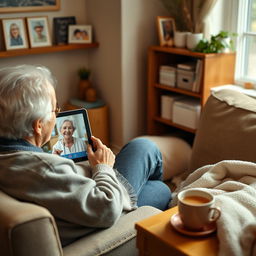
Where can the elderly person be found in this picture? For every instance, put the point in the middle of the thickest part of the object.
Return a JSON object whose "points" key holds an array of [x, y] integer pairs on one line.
{"points": [[68, 143], [81, 197]]}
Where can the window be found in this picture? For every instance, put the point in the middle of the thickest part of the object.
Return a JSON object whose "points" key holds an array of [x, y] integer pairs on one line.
{"points": [[246, 44]]}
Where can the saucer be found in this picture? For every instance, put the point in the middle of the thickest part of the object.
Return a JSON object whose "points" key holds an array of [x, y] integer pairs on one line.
{"points": [[178, 225]]}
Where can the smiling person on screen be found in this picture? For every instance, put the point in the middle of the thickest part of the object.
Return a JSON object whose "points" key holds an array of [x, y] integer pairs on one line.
{"points": [[81, 197], [68, 144]]}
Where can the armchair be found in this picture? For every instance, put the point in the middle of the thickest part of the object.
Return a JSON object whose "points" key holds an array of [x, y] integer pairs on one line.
{"points": [[27, 230], [226, 131]]}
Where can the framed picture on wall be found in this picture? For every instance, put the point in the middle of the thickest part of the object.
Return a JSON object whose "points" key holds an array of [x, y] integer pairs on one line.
{"points": [[29, 6], [38, 29], [15, 35], [60, 27], [79, 34], [166, 28]]}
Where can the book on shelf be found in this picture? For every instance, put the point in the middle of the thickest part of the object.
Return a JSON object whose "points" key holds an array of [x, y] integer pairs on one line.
{"points": [[198, 76], [187, 65]]}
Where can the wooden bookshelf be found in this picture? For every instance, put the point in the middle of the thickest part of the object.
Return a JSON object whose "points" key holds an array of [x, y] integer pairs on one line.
{"points": [[48, 49], [217, 69]]}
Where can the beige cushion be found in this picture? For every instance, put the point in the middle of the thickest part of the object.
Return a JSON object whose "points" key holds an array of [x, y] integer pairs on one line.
{"points": [[227, 129], [175, 153]]}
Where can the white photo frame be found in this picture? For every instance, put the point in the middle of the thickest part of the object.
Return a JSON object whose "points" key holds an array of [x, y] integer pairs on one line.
{"points": [[79, 34], [15, 35], [39, 35]]}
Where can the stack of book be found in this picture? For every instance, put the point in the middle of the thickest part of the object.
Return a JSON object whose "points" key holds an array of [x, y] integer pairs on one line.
{"points": [[167, 75]]}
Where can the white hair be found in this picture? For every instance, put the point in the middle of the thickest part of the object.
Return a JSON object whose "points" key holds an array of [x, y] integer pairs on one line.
{"points": [[66, 120], [24, 98]]}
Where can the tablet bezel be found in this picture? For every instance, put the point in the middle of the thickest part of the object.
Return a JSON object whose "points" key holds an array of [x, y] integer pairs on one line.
{"points": [[87, 127]]}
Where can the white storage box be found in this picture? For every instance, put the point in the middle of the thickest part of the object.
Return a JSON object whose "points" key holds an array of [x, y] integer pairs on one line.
{"points": [[186, 112], [185, 79], [167, 105], [167, 75]]}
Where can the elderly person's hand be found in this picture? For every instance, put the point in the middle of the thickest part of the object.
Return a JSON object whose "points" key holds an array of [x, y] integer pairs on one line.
{"points": [[102, 155], [57, 152]]}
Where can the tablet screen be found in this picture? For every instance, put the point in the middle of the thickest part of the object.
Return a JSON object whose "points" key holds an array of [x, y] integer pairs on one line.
{"points": [[70, 135]]}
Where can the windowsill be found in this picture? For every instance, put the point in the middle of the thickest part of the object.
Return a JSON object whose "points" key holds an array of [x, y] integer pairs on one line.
{"points": [[249, 92]]}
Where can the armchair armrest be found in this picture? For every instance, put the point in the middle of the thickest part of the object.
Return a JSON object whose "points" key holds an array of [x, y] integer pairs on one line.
{"points": [[27, 229], [116, 240]]}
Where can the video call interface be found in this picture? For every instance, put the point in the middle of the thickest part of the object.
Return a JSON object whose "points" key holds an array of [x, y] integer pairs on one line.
{"points": [[69, 137]]}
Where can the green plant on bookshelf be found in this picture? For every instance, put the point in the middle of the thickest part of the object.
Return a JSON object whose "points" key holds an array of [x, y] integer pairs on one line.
{"points": [[84, 73], [218, 43], [86, 91]]}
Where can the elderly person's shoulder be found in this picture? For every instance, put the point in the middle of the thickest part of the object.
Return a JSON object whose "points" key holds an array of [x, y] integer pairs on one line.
{"points": [[37, 162]]}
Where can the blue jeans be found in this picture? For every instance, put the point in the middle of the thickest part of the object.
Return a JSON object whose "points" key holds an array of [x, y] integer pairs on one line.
{"points": [[140, 162]]}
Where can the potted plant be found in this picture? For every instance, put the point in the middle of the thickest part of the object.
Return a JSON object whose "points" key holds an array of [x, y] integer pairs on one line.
{"points": [[221, 42], [86, 91]]}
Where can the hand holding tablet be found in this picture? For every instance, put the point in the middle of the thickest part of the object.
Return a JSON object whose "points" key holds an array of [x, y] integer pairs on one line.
{"points": [[101, 155]]}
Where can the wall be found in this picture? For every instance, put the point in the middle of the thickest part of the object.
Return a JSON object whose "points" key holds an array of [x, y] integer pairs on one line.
{"points": [[64, 65], [105, 62], [125, 29]]}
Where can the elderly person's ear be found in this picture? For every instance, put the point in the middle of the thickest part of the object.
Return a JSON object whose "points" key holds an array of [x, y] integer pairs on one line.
{"points": [[37, 126]]}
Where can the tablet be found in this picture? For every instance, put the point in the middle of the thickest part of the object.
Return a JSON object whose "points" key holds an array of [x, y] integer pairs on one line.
{"points": [[71, 135]]}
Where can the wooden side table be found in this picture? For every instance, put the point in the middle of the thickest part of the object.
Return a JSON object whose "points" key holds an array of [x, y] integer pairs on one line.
{"points": [[99, 121], [156, 236]]}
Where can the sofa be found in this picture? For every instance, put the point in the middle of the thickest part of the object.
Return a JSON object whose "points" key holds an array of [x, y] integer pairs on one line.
{"points": [[227, 130]]}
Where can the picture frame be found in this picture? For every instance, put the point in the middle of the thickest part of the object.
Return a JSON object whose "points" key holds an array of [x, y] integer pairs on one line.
{"points": [[166, 28], [15, 34], [38, 30], [79, 34], [60, 28], [11, 6]]}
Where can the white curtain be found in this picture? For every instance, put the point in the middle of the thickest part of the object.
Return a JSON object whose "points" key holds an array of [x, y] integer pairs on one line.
{"points": [[201, 11]]}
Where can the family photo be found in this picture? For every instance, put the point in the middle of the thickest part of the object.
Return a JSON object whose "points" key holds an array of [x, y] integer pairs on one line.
{"points": [[15, 34]]}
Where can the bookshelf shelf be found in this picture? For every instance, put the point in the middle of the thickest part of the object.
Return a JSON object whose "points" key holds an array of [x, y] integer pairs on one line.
{"points": [[43, 50]]}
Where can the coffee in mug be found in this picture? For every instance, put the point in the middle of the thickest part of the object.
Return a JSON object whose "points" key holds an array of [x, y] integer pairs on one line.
{"points": [[196, 208]]}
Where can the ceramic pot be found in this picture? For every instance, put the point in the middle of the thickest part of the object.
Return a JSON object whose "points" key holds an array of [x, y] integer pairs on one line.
{"points": [[83, 86], [180, 39], [90, 94], [193, 40]]}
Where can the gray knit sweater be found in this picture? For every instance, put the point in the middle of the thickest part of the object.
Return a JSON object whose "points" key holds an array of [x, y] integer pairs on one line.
{"points": [[79, 201]]}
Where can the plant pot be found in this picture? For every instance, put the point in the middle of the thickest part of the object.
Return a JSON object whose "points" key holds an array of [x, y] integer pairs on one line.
{"points": [[180, 39], [83, 86], [90, 94], [193, 40]]}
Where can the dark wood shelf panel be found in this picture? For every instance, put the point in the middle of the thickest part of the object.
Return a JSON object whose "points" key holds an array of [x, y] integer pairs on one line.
{"points": [[178, 90], [170, 123], [49, 49]]}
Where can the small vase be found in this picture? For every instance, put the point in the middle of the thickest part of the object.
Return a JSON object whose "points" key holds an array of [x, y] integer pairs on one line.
{"points": [[180, 39], [90, 94], [83, 86], [193, 40]]}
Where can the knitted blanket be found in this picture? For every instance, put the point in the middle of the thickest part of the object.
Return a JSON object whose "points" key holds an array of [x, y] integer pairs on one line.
{"points": [[234, 185]]}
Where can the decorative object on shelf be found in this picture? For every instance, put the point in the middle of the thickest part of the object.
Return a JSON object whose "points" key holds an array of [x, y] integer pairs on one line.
{"points": [[219, 43], [79, 34], [193, 39], [60, 26], [8, 6], [38, 28], [86, 91], [166, 28], [15, 35], [180, 38]]}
